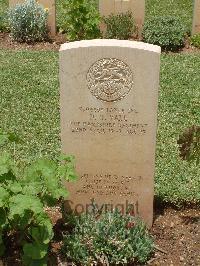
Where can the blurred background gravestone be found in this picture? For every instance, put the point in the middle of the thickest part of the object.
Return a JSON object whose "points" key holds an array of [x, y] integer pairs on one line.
{"points": [[196, 17], [137, 7]]}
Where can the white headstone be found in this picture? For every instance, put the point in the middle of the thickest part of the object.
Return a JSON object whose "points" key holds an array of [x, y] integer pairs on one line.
{"points": [[108, 97]]}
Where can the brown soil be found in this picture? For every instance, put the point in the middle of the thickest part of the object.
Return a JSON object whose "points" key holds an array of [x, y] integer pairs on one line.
{"points": [[54, 44]]}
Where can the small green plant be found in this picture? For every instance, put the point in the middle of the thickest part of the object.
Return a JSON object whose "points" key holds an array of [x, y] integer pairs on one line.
{"points": [[110, 239], [167, 32], [23, 197], [82, 19], [195, 40], [189, 144], [120, 26], [28, 22]]}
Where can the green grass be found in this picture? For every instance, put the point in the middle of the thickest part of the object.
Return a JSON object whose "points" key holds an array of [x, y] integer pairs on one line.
{"points": [[30, 106], [29, 101], [180, 8]]}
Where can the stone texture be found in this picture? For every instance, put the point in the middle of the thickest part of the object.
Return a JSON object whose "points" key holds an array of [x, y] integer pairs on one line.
{"points": [[137, 7], [50, 4], [196, 17], [108, 97]]}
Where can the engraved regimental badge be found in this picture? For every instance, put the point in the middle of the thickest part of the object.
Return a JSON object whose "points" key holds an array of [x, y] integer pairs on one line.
{"points": [[110, 79]]}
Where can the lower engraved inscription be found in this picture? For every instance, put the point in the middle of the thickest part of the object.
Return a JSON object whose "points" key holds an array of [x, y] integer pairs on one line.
{"points": [[108, 184]]}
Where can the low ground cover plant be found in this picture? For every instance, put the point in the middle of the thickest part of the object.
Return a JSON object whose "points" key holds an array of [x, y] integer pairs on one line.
{"points": [[23, 196], [28, 22], [166, 31], [81, 20], [109, 239], [120, 26]]}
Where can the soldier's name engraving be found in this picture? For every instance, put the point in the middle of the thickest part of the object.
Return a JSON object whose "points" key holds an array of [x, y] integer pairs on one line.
{"points": [[101, 120]]}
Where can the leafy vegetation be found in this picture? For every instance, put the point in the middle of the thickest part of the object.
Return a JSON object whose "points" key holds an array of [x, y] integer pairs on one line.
{"points": [[28, 22], [23, 196], [120, 26], [111, 239], [81, 19], [167, 32]]}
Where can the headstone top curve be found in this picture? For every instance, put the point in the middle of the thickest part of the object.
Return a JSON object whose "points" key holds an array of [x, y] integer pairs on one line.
{"points": [[111, 42]]}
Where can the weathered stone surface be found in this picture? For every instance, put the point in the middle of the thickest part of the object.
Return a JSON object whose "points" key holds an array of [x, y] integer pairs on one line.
{"points": [[50, 4], [137, 7], [108, 97], [196, 17]]}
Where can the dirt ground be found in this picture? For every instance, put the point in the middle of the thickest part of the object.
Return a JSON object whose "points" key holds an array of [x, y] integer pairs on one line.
{"points": [[54, 44]]}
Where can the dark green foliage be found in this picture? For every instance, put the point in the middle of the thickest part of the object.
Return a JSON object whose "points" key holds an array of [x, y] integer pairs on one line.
{"points": [[111, 238], [120, 26], [81, 20], [189, 144], [166, 31], [195, 40], [23, 196]]}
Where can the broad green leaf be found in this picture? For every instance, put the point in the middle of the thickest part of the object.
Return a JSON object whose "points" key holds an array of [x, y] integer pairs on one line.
{"points": [[31, 188], [14, 186], [21, 222], [20, 203], [41, 168], [42, 233], [6, 164], [35, 251]]}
